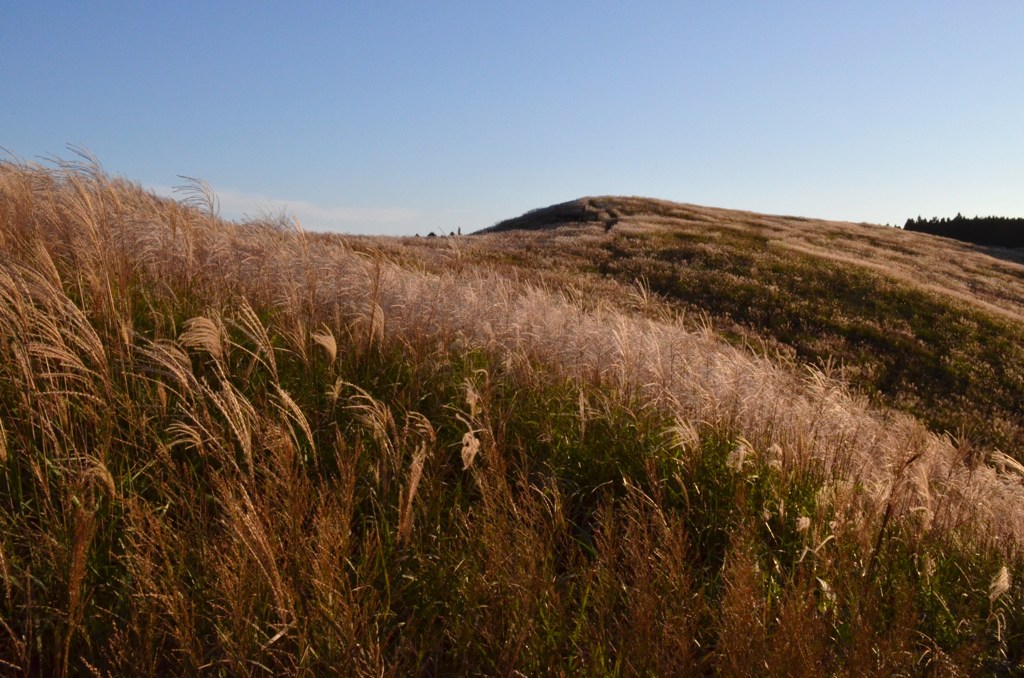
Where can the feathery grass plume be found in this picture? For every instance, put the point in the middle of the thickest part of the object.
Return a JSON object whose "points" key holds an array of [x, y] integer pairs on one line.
{"points": [[204, 334], [405, 516], [294, 416], [254, 330], [325, 339], [83, 531], [686, 435], [739, 456], [472, 399], [372, 317], [167, 367], [470, 448], [376, 416], [1006, 464], [241, 418], [198, 194], [98, 472], [1000, 584]]}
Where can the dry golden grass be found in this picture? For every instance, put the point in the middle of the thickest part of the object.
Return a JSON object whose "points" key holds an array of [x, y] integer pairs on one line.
{"points": [[923, 325], [241, 448]]}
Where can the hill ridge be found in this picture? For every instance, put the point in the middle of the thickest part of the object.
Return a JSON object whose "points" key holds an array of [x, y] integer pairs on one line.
{"points": [[608, 209], [584, 210]]}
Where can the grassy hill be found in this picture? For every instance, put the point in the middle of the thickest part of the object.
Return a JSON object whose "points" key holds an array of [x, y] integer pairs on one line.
{"points": [[923, 325], [615, 437]]}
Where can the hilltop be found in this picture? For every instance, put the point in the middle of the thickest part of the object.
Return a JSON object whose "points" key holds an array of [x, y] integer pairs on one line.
{"points": [[618, 436], [574, 212]]}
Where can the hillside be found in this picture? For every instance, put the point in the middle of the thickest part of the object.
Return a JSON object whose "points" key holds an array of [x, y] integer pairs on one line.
{"points": [[929, 327], [616, 437]]}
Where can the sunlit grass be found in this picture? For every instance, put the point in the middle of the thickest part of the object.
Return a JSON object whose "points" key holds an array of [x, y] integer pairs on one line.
{"points": [[245, 449]]}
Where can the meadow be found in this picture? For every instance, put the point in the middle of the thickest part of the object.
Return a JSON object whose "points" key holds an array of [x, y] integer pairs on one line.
{"points": [[657, 440]]}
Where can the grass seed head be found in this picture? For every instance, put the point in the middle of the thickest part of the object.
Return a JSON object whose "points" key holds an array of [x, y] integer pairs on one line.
{"points": [[470, 448], [1000, 584]]}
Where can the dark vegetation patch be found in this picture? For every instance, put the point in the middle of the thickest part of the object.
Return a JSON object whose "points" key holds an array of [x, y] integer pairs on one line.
{"points": [[582, 211], [956, 369], [989, 231]]}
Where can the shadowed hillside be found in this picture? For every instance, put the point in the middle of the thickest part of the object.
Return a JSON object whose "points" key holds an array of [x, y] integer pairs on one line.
{"points": [[582, 211], [601, 446]]}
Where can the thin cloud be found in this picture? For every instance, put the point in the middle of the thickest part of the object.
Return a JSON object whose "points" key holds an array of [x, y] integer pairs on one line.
{"points": [[242, 205], [247, 203]]}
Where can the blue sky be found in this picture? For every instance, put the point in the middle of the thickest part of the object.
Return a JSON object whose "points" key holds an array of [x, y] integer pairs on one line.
{"points": [[406, 117]]}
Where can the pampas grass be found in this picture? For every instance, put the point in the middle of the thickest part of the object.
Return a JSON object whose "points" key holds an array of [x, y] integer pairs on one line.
{"points": [[246, 448]]}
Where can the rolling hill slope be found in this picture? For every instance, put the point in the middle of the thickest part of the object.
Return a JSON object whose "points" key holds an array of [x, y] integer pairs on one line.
{"points": [[619, 436], [925, 325]]}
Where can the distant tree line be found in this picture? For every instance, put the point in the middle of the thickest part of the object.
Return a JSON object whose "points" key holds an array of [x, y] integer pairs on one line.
{"points": [[996, 231]]}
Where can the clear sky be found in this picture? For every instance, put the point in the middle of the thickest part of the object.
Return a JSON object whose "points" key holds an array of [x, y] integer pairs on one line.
{"points": [[378, 117]]}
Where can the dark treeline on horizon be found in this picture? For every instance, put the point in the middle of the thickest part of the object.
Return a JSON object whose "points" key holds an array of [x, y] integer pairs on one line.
{"points": [[995, 231]]}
